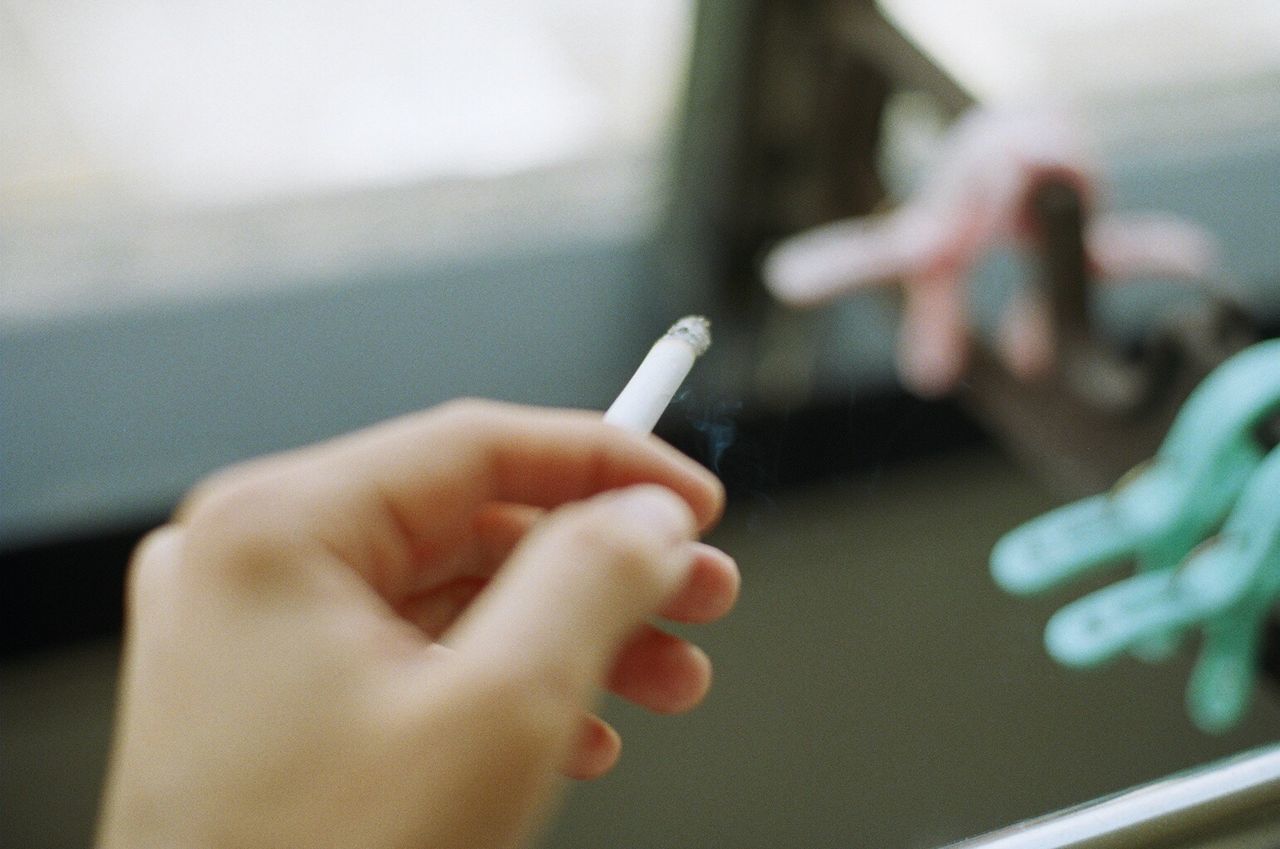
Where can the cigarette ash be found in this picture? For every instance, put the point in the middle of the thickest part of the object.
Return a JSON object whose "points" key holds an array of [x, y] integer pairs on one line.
{"points": [[695, 330]]}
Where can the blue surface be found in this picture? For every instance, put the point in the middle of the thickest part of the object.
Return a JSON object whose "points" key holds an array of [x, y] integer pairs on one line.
{"points": [[110, 418]]}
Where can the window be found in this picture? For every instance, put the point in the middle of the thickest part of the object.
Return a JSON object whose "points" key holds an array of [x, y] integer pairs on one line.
{"points": [[157, 149], [232, 100], [1093, 50]]}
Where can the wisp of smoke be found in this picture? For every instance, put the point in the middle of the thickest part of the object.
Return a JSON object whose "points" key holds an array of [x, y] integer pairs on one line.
{"points": [[718, 427]]}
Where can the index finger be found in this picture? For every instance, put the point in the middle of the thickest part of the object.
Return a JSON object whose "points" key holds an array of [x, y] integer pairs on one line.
{"points": [[424, 474]]}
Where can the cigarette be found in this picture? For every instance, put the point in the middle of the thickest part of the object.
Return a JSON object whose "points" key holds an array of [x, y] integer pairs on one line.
{"points": [[651, 388]]}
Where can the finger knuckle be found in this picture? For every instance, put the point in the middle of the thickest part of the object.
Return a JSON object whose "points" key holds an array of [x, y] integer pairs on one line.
{"points": [[220, 488], [629, 555], [151, 567], [239, 519], [467, 413]]}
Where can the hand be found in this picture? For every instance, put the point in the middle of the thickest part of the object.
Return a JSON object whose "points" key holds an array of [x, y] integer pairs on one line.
{"points": [[395, 639], [976, 198]]}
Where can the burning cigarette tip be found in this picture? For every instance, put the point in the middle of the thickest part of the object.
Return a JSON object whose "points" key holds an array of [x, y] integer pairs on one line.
{"points": [[653, 385], [694, 329]]}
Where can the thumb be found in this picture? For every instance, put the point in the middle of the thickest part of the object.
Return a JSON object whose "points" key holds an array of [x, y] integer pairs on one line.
{"points": [[577, 587]]}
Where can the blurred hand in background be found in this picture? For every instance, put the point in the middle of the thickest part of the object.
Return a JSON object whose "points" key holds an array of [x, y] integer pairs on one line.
{"points": [[975, 199]]}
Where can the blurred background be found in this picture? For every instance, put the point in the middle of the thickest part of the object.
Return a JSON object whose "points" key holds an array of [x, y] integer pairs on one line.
{"points": [[232, 227]]}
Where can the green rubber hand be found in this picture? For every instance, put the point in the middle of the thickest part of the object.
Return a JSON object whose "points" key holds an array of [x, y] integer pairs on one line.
{"points": [[1211, 467]]}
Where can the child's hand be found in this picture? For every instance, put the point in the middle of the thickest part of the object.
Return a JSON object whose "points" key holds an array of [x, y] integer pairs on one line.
{"points": [[395, 639]]}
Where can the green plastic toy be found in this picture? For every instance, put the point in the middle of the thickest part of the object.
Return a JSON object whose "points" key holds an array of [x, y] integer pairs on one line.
{"points": [[1210, 465]]}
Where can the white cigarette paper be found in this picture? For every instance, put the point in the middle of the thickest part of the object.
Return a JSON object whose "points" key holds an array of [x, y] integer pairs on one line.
{"points": [[653, 385]]}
